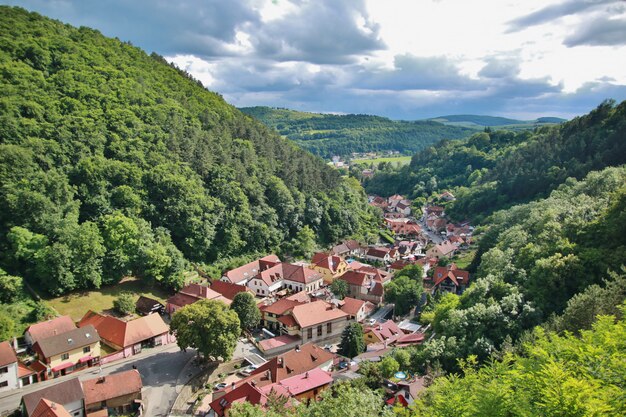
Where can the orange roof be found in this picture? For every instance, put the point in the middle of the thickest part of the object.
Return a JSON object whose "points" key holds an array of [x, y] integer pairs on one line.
{"points": [[23, 370], [111, 386], [355, 278], [287, 321], [122, 333], [327, 261], [251, 269], [244, 392], [7, 354], [300, 273], [352, 305], [457, 276], [306, 381], [281, 306], [47, 408], [316, 312], [301, 296], [228, 289], [388, 331], [51, 327]]}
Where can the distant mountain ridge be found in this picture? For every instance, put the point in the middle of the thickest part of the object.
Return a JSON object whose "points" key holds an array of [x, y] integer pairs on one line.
{"points": [[327, 135], [484, 121]]}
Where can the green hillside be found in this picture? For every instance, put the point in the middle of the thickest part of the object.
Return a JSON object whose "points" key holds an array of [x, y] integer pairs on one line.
{"points": [[479, 122], [492, 170], [113, 162], [328, 134]]}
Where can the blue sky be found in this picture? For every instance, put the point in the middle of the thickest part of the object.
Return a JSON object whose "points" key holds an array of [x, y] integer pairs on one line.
{"points": [[404, 59]]}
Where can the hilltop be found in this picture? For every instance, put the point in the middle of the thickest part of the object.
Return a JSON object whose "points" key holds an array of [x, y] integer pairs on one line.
{"points": [[481, 121], [113, 162]]}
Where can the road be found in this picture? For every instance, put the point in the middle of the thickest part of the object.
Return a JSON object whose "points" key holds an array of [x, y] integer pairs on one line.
{"points": [[382, 312], [434, 237], [161, 371]]}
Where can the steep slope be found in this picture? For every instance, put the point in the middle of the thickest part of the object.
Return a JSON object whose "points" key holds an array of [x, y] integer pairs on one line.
{"points": [[492, 170], [112, 162], [328, 134]]}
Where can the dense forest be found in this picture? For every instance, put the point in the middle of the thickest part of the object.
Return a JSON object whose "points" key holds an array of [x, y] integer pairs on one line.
{"points": [[113, 162], [327, 135], [495, 169]]}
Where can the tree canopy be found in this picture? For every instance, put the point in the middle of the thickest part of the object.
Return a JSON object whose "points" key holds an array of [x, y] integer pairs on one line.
{"points": [[244, 304]]}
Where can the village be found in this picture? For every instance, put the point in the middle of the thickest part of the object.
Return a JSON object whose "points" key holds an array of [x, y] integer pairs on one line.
{"points": [[293, 352]]}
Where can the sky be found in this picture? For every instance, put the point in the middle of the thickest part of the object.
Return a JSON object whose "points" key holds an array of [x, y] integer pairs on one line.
{"points": [[404, 59]]}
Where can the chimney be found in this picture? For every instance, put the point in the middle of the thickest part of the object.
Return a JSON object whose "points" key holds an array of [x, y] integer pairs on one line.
{"points": [[306, 375], [53, 406], [297, 348]]}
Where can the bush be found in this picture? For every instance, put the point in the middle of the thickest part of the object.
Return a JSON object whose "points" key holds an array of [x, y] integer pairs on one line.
{"points": [[125, 303]]}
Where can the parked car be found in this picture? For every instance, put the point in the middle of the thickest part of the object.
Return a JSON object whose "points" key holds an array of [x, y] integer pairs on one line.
{"points": [[371, 322], [219, 386], [248, 370]]}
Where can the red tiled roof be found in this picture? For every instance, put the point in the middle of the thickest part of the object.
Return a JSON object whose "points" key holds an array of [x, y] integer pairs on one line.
{"points": [[281, 306], [446, 247], [409, 339], [378, 252], [306, 381], [293, 362], [377, 289], [51, 327], [111, 386], [355, 278], [330, 262], [47, 408], [278, 341], [251, 269], [287, 321], [7, 354], [23, 370], [245, 392], [316, 312], [300, 273], [388, 331], [227, 289], [352, 306], [300, 296], [457, 276], [64, 392], [122, 333]]}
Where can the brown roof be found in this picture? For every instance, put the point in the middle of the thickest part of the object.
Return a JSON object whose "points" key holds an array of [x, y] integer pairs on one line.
{"points": [[281, 306], [378, 252], [251, 269], [63, 393], [147, 305], [316, 312], [244, 392], [228, 289], [340, 249], [446, 247], [388, 331], [122, 333], [352, 244], [352, 306], [299, 273], [355, 278], [67, 341], [324, 260], [51, 327], [288, 321], [457, 276], [112, 386], [7, 354], [291, 363], [300, 296], [47, 408]]}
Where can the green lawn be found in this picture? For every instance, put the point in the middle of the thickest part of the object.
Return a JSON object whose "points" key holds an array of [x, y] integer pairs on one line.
{"points": [[395, 160], [76, 304], [464, 259]]}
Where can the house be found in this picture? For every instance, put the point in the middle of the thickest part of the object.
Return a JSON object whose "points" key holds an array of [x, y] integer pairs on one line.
{"points": [[367, 173], [436, 210], [47, 408], [445, 249], [190, 294], [447, 196], [48, 328], [244, 273], [119, 393], [408, 392], [8, 367], [376, 274], [436, 224], [68, 351], [404, 227], [301, 278], [66, 394], [329, 266], [378, 254], [363, 286], [356, 309], [246, 392], [386, 332], [394, 200], [229, 290], [403, 208], [316, 322], [348, 248], [271, 313], [380, 202], [129, 336], [305, 386], [146, 305], [450, 279]]}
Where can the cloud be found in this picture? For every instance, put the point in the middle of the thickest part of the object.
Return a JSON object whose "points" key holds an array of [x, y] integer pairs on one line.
{"points": [[555, 11], [500, 67], [599, 32]]}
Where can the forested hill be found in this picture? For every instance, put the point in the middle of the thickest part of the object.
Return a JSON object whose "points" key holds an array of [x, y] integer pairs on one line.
{"points": [[327, 134], [495, 169], [478, 121], [112, 162]]}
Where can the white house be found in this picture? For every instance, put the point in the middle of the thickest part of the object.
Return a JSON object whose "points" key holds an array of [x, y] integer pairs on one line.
{"points": [[8, 367]]}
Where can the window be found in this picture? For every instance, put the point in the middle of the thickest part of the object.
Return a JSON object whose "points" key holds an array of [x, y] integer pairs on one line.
{"points": [[319, 330], [4, 384], [309, 333], [4, 370], [329, 328], [86, 349], [65, 356]]}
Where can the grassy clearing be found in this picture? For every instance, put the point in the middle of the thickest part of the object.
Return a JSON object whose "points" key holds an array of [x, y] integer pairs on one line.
{"points": [[464, 259], [76, 304], [21, 312], [395, 160]]}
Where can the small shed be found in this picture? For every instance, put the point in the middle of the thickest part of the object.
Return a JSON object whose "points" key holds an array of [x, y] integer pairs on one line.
{"points": [[146, 305]]}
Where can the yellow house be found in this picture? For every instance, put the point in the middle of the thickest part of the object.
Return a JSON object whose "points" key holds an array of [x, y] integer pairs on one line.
{"points": [[329, 266], [68, 351]]}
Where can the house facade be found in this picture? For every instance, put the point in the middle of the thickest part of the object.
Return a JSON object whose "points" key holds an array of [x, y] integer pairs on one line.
{"points": [[119, 393], [246, 272], [329, 266], [69, 351], [445, 249], [8, 367]]}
